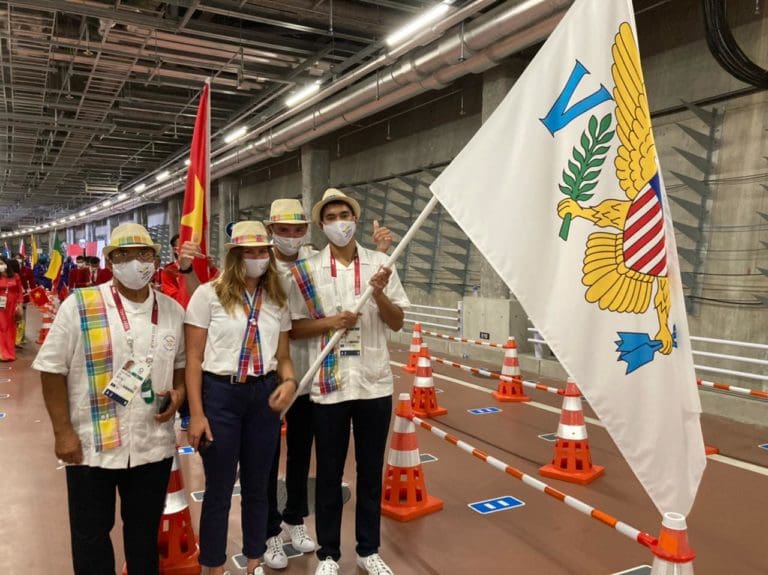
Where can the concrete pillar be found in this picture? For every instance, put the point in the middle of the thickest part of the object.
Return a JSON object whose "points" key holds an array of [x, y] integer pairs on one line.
{"points": [[496, 84], [228, 207], [173, 218], [140, 215], [315, 179]]}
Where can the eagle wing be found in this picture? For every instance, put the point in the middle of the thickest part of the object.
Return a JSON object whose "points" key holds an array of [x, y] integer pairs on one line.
{"points": [[635, 161]]}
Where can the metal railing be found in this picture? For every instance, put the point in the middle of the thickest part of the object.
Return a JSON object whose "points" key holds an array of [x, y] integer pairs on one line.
{"points": [[451, 317]]}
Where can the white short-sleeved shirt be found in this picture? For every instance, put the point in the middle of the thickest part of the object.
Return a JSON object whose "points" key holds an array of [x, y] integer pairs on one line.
{"points": [[143, 439], [299, 347], [368, 375], [226, 332]]}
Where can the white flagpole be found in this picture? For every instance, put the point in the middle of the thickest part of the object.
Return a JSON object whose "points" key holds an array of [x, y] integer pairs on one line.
{"points": [[307, 379]]}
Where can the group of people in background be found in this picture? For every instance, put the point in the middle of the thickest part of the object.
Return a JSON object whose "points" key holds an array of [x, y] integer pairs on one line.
{"points": [[121, 358], [16, 281]]}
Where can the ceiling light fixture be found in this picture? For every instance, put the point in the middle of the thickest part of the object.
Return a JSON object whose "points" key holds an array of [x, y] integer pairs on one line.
{"points": [[302, 94], [235, 135], [161, 177], [418, 23], [122, 197], [141, 187]]}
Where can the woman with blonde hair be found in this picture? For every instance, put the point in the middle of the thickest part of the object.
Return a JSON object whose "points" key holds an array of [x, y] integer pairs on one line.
{"points": [[239, 378]]}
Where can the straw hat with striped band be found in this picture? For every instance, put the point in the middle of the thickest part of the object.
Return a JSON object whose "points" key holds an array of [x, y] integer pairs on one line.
{"points": [[333, 195], [248, 234], [285, 211], [130, 235]]}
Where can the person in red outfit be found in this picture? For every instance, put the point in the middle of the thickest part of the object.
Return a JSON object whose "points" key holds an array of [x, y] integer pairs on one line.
{"points": [[99, 275], [80, 276], [10, 311], [28, 283]]}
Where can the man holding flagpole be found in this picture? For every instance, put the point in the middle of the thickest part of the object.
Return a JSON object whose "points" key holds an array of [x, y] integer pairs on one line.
{"points": [[354, 385], [568, 163]]}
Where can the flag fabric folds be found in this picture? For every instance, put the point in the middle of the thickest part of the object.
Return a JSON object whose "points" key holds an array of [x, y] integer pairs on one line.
{"points": [[57, 259], [561, 191], [33, 249], [22, 249], [194, 213]]}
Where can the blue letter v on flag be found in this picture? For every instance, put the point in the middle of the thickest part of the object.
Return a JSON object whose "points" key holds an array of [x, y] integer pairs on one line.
{"points": [[560, 115]]}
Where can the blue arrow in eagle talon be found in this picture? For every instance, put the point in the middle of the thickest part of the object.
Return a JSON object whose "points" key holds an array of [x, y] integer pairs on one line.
{"points": [[636, 349]]}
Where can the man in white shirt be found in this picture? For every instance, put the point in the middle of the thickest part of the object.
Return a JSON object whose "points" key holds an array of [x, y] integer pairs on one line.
{"points": [[112, 371], [354, 386]]}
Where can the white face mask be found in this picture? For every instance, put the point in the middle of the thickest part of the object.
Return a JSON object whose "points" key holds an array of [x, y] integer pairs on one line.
{"points": [[134, 274], [288, 246], [340, 233], [256, 268]]}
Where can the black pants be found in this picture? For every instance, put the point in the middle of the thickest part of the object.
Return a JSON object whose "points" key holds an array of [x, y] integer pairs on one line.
{"points": [[91, 493], [370, 421], [246, 431], [298, 442]]}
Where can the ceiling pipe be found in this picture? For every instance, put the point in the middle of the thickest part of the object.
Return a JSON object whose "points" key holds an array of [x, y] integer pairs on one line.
{"points": [[472, 48], [478, 47]]}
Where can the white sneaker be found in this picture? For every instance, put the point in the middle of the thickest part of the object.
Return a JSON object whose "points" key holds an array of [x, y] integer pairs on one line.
{"points": [[374, 565], [327, 567], [300, 539], [274, 556], [258, 571]]}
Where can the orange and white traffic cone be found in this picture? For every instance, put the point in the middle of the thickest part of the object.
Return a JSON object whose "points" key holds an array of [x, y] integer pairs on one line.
{"points": [[673, 555], [415, 349], [404, 495], [424, 398], [572, 461], [177, 543], [48, 315], [510, 390]]}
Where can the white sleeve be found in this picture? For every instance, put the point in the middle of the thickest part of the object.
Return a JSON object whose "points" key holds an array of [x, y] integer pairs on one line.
{"points": [[285, 319], [395, 291], [56, 354], [199, 307], [180, 361]]}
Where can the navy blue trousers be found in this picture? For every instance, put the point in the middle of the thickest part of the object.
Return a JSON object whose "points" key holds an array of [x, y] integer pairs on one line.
{"points": [[245, 431]]}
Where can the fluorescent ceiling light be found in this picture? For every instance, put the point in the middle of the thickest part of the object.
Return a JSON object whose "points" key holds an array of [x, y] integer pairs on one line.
{"points": [[302, 94], [187, 162], [93, 209], [81, 214], [71, 218], [141, 187], [418, 23], [122, 197], [235, 135], [161, 177], [106, 203]]}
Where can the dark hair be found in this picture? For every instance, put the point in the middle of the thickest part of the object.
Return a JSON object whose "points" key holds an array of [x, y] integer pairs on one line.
{"points": [[80, 259], [335, 203], [174, 239], [9, 271], [94, 260]]}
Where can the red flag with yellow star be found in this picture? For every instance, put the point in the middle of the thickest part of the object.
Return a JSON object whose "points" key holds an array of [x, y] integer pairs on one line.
{"points": [[194, 214]]}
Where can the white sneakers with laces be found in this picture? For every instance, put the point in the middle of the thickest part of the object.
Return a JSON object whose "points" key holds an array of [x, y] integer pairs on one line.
{"points": [[258, 571], [274, 556], [300, 539], [327, 567], [374, 565]]}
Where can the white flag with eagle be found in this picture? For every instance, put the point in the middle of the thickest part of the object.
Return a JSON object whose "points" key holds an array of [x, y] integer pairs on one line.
{"points": [[561, 191]]}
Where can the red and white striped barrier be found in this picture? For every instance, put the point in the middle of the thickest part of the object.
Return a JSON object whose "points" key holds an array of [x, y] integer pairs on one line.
{"points": [[463, 339], [733, 389], [493, 375]]}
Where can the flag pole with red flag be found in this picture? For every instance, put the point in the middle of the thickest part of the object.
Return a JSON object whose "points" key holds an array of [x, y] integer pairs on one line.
{"points": [[194, 213]]}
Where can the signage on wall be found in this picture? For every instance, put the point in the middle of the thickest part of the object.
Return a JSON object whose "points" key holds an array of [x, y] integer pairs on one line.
{"points": [[485, 335]]}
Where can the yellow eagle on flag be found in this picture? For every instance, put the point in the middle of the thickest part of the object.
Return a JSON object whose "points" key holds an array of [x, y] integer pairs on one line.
{"points": [[620, 269]]}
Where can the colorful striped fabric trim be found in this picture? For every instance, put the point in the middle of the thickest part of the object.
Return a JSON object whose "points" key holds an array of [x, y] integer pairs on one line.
{"points": [[301, 218], [97, 345], [251, 347], [129, 240], [248, 238], [329, 369]]}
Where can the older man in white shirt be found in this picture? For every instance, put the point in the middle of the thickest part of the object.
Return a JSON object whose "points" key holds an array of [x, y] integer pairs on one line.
{"points": [[354, 385], [112, 371]]}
